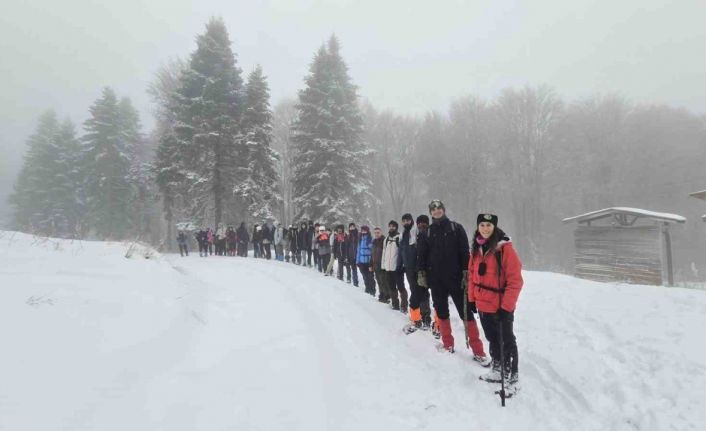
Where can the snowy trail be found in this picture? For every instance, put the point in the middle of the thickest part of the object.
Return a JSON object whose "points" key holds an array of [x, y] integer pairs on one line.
{"points": [[99, 342]]}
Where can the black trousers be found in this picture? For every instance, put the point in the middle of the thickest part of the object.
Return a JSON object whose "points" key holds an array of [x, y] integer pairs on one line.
{"points": [[308, 258], [268, 251], [203, 249], [396, 289], [368, 278], [183, 250], [419, 297], [491, 327], [342, 265], [316, 259], [441, 289], [325, 259]]}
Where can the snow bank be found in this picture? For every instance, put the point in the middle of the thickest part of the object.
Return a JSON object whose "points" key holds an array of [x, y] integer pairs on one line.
{"points": [[92, 340]]}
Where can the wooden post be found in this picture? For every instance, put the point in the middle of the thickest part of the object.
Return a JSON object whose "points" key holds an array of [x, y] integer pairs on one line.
{"points": [[668, 246]]}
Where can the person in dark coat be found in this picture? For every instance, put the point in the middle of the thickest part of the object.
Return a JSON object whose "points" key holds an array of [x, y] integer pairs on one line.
{"points": [[257, 240], [243, 239], [352, 253], [340, 252], [202, 239], [302, 242], [315, 247], [294, 244], [376, 259], [309, 242], [268, 238], [443, 268], [419, 313], [181, 241]]}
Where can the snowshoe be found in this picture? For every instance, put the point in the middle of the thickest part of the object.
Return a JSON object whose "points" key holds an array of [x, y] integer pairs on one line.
{"points": [[426, 326], [484, 361], [492, 376], [512, 386], [441, 348], [412, 327], [435, 332]]}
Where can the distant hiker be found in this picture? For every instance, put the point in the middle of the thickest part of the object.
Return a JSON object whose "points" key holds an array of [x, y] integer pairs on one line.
{"points": [[340, 252], [364, 259], [419, 313], [324, 248], [443, 267], [257, 241], [309, 242], [181, 240], [376, 260], [294, 244], [243, 239], [202, 240], [494, 284], [278, 242], [268, 237], [392, 264], [210, 240], [352, 253], [303, 239], [315, 247]]}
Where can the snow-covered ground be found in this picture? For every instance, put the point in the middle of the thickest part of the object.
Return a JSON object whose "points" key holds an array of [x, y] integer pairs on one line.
{"points": [[94, 341]]}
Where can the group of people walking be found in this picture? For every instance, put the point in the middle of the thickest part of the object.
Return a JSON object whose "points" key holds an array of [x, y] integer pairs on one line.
{"points": [[435, 258]]}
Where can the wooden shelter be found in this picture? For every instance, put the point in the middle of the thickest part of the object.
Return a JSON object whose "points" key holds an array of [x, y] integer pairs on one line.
{"points": [[700, 195], [628, 245]]}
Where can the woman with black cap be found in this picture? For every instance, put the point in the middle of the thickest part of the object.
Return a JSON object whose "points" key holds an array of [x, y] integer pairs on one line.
{"points": [[494, 284]]}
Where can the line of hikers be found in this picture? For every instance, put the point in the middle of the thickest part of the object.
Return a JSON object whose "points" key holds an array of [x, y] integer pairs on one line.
{"points": [[436, 259]]}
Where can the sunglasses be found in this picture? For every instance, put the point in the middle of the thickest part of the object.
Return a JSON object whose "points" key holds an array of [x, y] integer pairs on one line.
{"points": [[482, 268]]}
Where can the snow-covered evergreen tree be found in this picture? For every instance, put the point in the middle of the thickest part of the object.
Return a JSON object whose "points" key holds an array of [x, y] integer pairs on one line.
{"points": [[207, 133], [259, 188], [331, 179], [45, 195], [106, 168]]}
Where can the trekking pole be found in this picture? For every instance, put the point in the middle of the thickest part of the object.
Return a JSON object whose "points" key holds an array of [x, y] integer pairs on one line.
{"points": [[502, 363], [465, 313]]}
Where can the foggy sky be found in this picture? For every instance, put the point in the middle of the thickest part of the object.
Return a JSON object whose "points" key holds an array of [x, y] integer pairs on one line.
{"points": [[410, 56]]}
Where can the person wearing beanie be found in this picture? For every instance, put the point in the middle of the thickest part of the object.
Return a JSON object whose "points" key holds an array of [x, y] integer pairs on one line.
{"points": [[364, 259], [376, 259], [392, 264], [442, 268], [324, 245], [340, 252], [494, 285], [422, 244], [352, 253], [419, 315]]}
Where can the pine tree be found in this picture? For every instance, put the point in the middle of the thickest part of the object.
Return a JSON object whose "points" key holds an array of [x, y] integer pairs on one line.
{"points": [[106, 168], [258, 190], [207, 133], [45, 192], [331, 178]]}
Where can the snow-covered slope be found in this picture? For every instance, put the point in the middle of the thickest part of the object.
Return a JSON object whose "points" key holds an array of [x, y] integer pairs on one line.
{"points": [[92, 340]]}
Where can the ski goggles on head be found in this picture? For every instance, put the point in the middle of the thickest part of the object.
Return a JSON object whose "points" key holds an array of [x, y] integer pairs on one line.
{"points": [[435, 204], [482, 268]]}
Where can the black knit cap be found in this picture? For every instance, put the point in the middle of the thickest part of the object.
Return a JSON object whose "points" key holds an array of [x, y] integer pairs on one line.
{"points": [[423, 219], [490, 218], [394, 223], [407, 216]]}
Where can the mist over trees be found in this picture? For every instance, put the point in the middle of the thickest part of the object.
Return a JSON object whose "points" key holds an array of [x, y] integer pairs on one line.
{"points": [[221, 154]]}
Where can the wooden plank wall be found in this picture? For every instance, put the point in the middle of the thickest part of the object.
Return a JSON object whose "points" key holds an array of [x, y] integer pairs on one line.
{"points": [[619, 254]]}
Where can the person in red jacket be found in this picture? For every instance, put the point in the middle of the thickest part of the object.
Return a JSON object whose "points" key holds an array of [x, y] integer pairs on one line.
{"points": [[494, 284]]}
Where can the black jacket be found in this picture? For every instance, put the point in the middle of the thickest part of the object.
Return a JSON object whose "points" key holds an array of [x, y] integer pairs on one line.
{"points": [[445, 251]]}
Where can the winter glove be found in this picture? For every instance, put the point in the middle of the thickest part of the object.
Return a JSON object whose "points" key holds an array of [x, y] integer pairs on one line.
{"points": [[422, 279], [472, 307], [464, 281], [505, 316]]}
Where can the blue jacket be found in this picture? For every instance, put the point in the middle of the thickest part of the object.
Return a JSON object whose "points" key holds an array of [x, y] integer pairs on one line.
{"points": [[365, 249]]}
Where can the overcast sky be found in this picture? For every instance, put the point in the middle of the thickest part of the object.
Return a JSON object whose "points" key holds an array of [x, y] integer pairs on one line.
{"points": [[410, 56]]}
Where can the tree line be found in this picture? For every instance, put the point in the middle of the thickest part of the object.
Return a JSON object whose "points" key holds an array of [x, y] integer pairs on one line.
{"points": [[220, 154]]}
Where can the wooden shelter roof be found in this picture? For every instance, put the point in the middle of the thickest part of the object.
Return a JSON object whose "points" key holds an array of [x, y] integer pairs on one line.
{"points": [[637, 213]]}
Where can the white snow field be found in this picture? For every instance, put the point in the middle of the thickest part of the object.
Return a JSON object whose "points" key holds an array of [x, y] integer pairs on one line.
{"points": [[92, 340]]}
